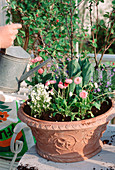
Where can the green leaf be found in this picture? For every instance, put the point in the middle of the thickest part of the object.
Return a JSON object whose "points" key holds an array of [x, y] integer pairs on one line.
{"points": [[31, 41], [73, 68], [19, 39], [92, 115], [4, 7], [77, 118], [78, 88], [87, 72], [29, 83], [97, 105], [95, 45], [72, 117], [54, 114], [102, 22], [47, 77], [106, 15], [82, 62], [72, 87], [25, 18], [8, 21], [13, 6], [23, 32], [113, 2], [112, 31]]}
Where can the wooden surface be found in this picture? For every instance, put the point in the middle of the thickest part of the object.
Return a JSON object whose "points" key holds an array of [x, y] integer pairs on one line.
{"points": [[105, 160]]}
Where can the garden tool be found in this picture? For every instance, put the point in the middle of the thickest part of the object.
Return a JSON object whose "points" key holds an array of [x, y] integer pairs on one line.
{"points": [[13, 62]]}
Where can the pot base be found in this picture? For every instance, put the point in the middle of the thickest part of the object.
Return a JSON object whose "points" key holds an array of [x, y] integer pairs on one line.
{"points": [[73, 157], [69, 145]]}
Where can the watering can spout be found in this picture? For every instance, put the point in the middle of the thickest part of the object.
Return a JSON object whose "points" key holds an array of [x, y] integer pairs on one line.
{"points": [[29, 73]]}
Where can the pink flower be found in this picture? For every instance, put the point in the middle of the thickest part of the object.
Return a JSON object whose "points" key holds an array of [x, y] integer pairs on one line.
{"points": [[77, 80], [60, 86], [40, 71], [68, 81], [38, 59], [51, 90], [60, 82], [47, 83], [83, 94], [33, 60], [52, 81]]}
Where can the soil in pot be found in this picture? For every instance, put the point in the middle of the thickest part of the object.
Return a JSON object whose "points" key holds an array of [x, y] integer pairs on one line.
{"points": [[105, 106]]}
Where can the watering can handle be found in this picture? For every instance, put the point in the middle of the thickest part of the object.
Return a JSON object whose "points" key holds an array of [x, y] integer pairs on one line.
{"points": [[29, 73]]}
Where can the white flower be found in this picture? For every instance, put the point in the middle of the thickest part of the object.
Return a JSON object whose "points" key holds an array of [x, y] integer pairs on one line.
{"points": [[96, 85], [70, 94], [51, 92], [91, 84], [109, 89], [47, 87], [40, 98]]}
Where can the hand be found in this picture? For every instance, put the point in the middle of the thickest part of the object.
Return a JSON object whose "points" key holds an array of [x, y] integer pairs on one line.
{"points": [[8, 34]]}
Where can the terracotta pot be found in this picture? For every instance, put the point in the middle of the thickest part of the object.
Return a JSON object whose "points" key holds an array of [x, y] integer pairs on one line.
{"points": [[68, 141]]}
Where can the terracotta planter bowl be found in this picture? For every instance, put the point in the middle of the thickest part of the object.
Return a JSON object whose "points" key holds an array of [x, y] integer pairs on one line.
{"points": [[68, 141]]}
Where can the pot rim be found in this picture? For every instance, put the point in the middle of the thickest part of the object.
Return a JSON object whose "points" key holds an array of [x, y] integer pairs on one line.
{"points": [[43, 124]]}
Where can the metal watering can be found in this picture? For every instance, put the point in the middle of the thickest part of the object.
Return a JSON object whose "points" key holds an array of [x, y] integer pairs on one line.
{"points": [[13, 62]]}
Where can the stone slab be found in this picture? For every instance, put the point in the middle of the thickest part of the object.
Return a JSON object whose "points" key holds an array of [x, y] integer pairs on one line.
{"points": [[105, 160]]}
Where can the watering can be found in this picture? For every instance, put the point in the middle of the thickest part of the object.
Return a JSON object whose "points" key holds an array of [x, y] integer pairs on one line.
{"points": [[13, 62]]}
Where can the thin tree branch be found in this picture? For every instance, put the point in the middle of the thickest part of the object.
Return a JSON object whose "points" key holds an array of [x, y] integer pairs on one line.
{"points": [[110, 31], [97, 19], [27, 38], [105, 49], [107, 27], [78, 5], [92, 33], [110, 43]]}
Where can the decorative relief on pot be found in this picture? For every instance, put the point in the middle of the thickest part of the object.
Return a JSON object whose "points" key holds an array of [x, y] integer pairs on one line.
{"points": [[91, 136], [62, 142]]}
